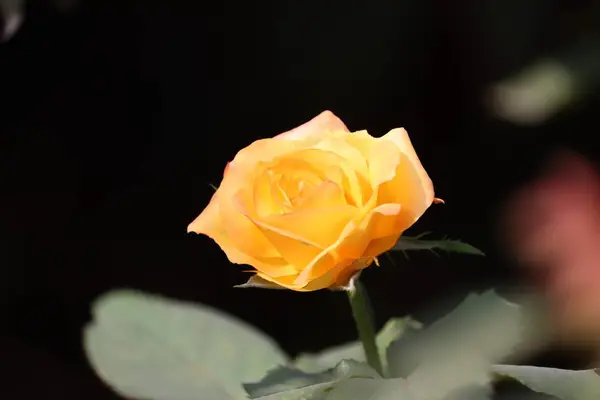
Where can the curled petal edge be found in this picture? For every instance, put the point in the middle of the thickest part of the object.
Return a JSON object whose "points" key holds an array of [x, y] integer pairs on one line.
{"points": [[326, 121]]}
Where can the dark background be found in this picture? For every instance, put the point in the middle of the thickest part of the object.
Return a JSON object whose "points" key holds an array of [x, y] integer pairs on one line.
{"points": [[117, 115]]}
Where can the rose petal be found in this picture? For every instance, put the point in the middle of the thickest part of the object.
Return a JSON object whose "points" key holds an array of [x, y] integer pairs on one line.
{"points": [[337, 276], [241, 232], [346, 275], [326, 121], [209, 223], [365, 143], [346, 151], [384, 158], [335, 168], [263, 150], [328, 277], [381, 222], [362, 142], [326, 270], [400, 137], [355, 168], [317, 227], [285, 282], [376, 247], [327, 194], [325, 260], [333, 278], [299, 236], [406, 188]]}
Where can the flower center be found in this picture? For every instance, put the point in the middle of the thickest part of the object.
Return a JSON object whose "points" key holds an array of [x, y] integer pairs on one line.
{"points": [[292, 186]]}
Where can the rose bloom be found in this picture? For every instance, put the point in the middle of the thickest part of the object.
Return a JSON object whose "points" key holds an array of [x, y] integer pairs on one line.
{"points": [[313, 206]]}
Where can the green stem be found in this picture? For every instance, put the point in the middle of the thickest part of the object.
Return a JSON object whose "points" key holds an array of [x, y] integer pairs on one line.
{"points": [[363, 317]]}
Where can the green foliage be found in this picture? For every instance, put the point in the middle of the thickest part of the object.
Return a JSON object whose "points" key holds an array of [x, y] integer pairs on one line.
{"points": [[149, 347], [483, 324], [352, 380], [288, 383], [406, 243], [392, 331], [563, 384]]}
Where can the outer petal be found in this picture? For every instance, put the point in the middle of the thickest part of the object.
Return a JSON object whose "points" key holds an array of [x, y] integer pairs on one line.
{"points": [[348, 273], [397, 175], [221, 218], [325, 261], [330, 271], [406, 188], [379, 246], [243, 234], [326, 121], [338, 263], [365, 143], [400, 137], [382, 222], [286, 282], [209, 223], [337, 276]]}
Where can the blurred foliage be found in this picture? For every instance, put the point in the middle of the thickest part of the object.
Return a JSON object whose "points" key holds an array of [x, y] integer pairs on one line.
{"points": [[149, 347], [452, 246], [153, 348]]}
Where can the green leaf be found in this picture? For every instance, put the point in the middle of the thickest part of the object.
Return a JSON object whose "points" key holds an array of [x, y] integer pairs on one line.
{"points": [[485, 325], [564, 384], [375, 389], [453, 246], [463, 377], [392, 330], [428, 386], [153, 348], [401, 389], [351, 380], [452, 358], [288, 383]]}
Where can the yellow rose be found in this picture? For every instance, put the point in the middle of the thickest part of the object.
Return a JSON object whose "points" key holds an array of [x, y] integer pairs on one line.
{"points": [[311, 207]]}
